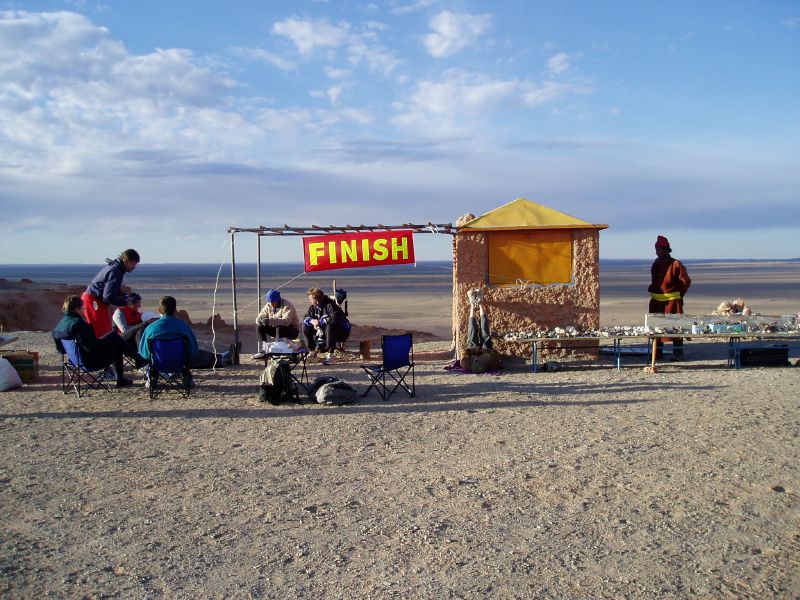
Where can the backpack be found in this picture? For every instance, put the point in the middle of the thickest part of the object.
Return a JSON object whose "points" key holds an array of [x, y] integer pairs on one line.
{"points": [[276, 383], [340, 296], [332, 390]]}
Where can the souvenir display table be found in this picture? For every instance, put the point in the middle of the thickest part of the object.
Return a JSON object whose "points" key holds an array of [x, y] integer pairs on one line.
{"points": [[618, 343]]}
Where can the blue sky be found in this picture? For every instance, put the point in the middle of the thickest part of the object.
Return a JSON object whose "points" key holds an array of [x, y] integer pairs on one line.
{"points": [[157, 125]]}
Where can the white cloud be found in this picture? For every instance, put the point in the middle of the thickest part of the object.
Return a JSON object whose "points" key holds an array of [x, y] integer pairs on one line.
{"points": [[261, 55], [534, 94], [71, 96], [405, 9], [360, 47], [307, 35], [332, 93], [377, 58], [334, 73], [462, 94], [791, 22], [558, 63], [452, 32]]}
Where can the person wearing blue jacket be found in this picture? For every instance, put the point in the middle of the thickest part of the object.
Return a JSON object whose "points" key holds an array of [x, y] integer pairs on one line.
{"points": [[167, 325], [105, 291]]}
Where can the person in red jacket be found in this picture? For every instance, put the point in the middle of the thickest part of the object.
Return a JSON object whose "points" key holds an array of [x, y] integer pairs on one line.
{"points": [[669, 284], [105, 291]]}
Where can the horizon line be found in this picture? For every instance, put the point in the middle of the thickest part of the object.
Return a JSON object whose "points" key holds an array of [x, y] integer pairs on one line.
{"points": [[300, 262]]}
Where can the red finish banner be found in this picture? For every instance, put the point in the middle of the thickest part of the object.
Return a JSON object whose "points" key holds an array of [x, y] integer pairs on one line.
{"points": [[351, 250]]}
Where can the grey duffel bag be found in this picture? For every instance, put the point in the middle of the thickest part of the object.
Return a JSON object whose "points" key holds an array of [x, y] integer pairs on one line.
{"points": [[332, 390]]}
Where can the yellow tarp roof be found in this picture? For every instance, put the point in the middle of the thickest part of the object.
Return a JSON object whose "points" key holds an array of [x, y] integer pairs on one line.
{"points": [[524, 214]]}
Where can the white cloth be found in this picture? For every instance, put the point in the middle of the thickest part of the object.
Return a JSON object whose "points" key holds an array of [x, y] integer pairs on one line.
{"points": [[9, 378]]}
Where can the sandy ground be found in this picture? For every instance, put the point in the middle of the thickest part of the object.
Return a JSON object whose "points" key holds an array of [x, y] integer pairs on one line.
{"points": [[589, 482]]}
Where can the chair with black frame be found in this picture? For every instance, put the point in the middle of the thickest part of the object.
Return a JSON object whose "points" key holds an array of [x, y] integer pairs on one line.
{"points": [[76, 375], [397, 363], [169, 366]]}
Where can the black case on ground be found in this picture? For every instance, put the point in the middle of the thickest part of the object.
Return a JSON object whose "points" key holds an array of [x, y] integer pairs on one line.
{"points": [[764, 357]]}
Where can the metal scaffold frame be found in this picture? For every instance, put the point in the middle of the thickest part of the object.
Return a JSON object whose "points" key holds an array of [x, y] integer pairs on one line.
{"points": [[262, 231]]}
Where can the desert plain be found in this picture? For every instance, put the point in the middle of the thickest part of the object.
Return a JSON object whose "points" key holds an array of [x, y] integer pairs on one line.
{"points": [[588, 482]]}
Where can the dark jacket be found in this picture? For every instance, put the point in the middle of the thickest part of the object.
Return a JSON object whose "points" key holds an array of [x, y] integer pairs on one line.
{"points": [[328, 311], [73, 327], [107, 284]]}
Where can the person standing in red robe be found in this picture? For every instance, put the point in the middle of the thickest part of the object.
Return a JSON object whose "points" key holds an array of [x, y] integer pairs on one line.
{"points": [[669, 284]]}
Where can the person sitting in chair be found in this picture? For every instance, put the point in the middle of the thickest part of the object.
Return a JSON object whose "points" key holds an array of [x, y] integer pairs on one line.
{"points": [[278, 319], [168, 325], [128, 316], [95, 352], [325, 324]]}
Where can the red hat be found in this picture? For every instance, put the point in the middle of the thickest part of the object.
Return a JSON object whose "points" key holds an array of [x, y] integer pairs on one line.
{"points": [[662, 242]]}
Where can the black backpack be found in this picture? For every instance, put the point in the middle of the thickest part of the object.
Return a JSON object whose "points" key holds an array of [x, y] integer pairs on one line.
{"points": [[277, 385], [341, 299]]}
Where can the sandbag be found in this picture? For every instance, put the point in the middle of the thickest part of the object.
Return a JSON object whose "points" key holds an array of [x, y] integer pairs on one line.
{"points": [[9, 378]]}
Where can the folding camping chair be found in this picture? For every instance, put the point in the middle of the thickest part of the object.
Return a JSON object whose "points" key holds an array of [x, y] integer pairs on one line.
{"points": [[76, 375], [398, 361], [169, 366]]}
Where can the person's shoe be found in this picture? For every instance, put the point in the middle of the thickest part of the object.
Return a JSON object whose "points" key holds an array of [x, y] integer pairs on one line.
{"points": [[124, 382], [328, 359], [312, 355], [258, 356]]}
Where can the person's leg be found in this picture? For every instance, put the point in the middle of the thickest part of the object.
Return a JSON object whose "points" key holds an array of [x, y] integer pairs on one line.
{"points": [[262, 332], [204, 359], [286, 331], [473, 331], [657, 307], [125, 348], [132, 336], [486, 336], [676, 307], [310, 337], [114, 348]]}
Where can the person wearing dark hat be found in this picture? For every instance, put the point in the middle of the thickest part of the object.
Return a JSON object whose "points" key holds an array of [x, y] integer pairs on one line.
{"points": [[669, 284], [278, 319]]}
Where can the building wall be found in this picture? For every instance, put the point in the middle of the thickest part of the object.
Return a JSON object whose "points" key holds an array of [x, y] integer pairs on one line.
{"points": [[525, 309]]}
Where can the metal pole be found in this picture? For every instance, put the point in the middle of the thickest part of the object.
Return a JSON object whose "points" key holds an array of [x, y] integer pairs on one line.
{"points": [[233, 288], [258, 284]]}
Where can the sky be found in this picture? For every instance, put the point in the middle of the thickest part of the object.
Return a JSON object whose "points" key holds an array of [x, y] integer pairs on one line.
{"points": [[157, 125]]}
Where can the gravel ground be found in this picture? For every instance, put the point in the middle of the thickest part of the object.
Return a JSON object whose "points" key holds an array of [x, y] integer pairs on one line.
{"points": [[584, 483]]}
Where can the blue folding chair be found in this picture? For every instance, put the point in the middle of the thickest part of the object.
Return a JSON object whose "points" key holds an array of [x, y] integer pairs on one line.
{"points": [[398, 362], [169, 366], [75, 375]]}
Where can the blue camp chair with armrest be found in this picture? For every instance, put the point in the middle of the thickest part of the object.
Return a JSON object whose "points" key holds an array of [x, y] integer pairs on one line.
{"points": [[398, 362], [169, 366], [75, 375]]}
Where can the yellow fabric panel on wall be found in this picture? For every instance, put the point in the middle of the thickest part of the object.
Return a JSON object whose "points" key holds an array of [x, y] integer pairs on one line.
{"points": [[542, 256]]}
